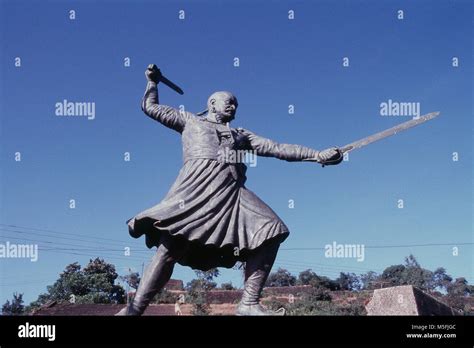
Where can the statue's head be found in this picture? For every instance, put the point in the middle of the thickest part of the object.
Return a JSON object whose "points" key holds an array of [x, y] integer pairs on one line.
{"points": [[222, 106]]}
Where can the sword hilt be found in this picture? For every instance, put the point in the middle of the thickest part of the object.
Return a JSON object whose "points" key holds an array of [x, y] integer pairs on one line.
{"points": [[334, 161]]}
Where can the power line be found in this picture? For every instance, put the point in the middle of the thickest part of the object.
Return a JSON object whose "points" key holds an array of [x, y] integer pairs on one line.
{"points": [[94, 238], [62, 233], [81, 250], [388, 246], [49, 236], [95, 255], [101, 253], [322, 265], [67, 244], [59, 243], [294, 269]]}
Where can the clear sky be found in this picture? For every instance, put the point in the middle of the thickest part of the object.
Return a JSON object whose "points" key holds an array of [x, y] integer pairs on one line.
{"points": [[282, 62]]}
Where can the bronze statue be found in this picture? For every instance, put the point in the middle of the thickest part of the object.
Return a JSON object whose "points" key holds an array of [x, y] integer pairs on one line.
{"points": [[209, 218]]}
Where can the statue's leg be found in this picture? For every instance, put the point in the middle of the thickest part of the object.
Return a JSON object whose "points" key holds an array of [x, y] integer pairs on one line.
{"points": [[154, 279], [257, 269]]}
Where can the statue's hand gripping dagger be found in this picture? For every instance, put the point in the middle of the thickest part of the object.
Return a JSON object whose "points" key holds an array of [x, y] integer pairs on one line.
{"points": [[153, 73]]}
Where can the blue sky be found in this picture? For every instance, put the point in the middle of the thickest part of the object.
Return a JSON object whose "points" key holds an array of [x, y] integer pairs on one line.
{"points": [[282, 62]]}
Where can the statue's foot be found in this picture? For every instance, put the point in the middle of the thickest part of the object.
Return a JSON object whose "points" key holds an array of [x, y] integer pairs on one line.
{"points": [[256, 309], [123, 311], [129, 310]]}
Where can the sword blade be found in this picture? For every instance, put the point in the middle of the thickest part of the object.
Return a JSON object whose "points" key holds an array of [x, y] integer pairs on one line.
{"points": [[388, 132], [171, 85]]}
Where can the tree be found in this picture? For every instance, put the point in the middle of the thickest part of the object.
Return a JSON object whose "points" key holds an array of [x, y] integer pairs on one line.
{"points": [[410, 261], [93, 284], [100, 279], [459, 287], [16, 307], [227, 286], [409, 274], [132, 279], [416, 275], [197, 290], [281, 277], [306, 277], [315, 301], [204, 281], [394, 275], [349, 281], [441, 279], [457, 293], [324, 282], [368, 280], [164, 296]]}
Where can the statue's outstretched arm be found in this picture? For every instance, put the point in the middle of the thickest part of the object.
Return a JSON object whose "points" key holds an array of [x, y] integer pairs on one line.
{"points": [[289, 152], [166, 115], [269, 148]]}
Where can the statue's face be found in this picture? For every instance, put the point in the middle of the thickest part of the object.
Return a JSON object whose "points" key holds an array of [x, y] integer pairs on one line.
{"points": [[223, 105]]}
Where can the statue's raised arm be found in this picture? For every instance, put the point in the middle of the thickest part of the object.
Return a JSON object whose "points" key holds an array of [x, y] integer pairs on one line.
{"points": [[166, 115]]}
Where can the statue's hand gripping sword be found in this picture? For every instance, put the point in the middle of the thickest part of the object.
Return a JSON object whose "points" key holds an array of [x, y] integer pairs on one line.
{"points": [[378, 136], [158, 77]]}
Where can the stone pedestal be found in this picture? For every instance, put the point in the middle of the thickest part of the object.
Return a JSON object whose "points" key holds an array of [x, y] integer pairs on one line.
{"points": [[405, 300]]}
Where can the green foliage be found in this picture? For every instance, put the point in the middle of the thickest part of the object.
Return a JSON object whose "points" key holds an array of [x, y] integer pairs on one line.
{"points": [[281, 277], [394, 275], [458, 291], [459, 287], [198, 298], [315, 302], [308, 277], [357, 309], [441, 280], [132, 279], [227, 286], [201, 284], [16, 307], [409, 274], [349, 281], [164, 296], [96, 284], [93, 284], [197, 291], [207, 275], [368, 280], [205, 280]]}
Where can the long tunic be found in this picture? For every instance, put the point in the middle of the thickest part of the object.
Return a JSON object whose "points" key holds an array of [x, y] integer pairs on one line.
{"points": [[208, 213]]}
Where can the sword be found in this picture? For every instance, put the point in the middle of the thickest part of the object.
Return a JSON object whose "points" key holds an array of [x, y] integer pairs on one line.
{"points": [[388, 132], [381, 135]]}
